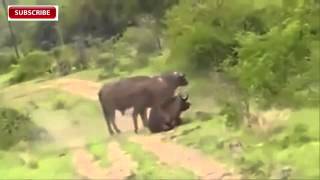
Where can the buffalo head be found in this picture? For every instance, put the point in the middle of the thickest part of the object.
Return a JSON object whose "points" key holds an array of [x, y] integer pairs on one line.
{"points": [[184, 104], [180, 78]]}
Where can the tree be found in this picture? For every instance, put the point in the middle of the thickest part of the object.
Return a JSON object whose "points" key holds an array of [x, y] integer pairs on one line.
{"points": [[13, 37], [276, 66]]}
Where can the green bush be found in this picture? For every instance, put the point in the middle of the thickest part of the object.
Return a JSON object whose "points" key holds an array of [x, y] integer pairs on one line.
{"points": [[59, 104], [35, 64], [106, 61], [233, 115], [65, 59], [14, 126], [158, 62], [62, 102], [6, 60]]}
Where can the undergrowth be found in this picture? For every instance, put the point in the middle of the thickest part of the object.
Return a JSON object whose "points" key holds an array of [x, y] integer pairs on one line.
{"points": [[292, 151]]}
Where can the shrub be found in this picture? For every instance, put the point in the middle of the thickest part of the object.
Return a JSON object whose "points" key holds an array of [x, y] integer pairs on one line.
{"points": [[277, 73], [14, 126], [6, 60], [158, 62], [108, 63], [65, 59], [62, 102], [35, 64], [105, 60], [59, 104]]}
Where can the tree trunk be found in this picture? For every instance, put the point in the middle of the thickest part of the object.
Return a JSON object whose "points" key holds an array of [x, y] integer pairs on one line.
{"points": [[157, 35], [60, 35], [15, 46]]}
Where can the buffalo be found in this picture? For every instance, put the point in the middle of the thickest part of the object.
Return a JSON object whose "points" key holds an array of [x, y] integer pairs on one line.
{"points": [[139, 92], [173, 108]]}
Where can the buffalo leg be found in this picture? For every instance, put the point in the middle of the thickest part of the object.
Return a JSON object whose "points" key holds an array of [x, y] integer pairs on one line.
{"points": [[109, 127], [107, 118], [143, 115], [112, 118], [135, 121]]}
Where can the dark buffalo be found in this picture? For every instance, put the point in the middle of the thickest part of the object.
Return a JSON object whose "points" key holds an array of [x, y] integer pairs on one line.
{"points": [[173, 108], [140, 93]]}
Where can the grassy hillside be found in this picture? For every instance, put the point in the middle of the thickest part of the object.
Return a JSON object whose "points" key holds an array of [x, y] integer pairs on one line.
{"points": [[68, 122], [293, 144]]}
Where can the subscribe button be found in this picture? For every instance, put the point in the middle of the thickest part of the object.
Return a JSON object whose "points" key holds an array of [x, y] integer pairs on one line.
{"points": [[32, 13]]}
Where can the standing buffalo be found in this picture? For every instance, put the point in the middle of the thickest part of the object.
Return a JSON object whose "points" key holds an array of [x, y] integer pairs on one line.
{"points": [[173, 108], [140, 93]]}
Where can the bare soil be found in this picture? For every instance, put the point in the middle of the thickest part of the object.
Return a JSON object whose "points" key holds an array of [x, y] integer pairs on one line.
{"points": [[121, 167], [177, 155]]}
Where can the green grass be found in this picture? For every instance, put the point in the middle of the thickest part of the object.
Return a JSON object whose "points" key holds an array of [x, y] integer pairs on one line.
{"points": [[49, 167], [77, 119], [4, 78], [296, 146], [74, 111], [99, 149], [150, 168]]}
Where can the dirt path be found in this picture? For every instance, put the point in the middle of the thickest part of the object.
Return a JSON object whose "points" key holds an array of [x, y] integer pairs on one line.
{"points": [[167, 152], [85, 166], [121, 167], [87, 89], [177, 155]]}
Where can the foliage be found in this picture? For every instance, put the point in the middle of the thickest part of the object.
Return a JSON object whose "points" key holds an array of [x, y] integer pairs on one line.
{"points": [[271, 56], [261, 156], [35, 64], [65, 59], [201, 33], [281, 70], [130, 52], [107, 18], [134, 47], [105, 60], [15, 126], [158, 62], [233, 116], [6, 61]]}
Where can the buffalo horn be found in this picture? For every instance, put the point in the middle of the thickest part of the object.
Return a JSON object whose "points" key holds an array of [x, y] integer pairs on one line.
{"points": [[186, 97]]}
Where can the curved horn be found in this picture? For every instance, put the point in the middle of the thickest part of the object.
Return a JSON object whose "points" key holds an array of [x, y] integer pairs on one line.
{"points": [[186, 97]]}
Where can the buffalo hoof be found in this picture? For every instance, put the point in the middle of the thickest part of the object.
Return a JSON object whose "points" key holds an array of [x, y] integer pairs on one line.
{"points": [[145, 124], [118, 131]]}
